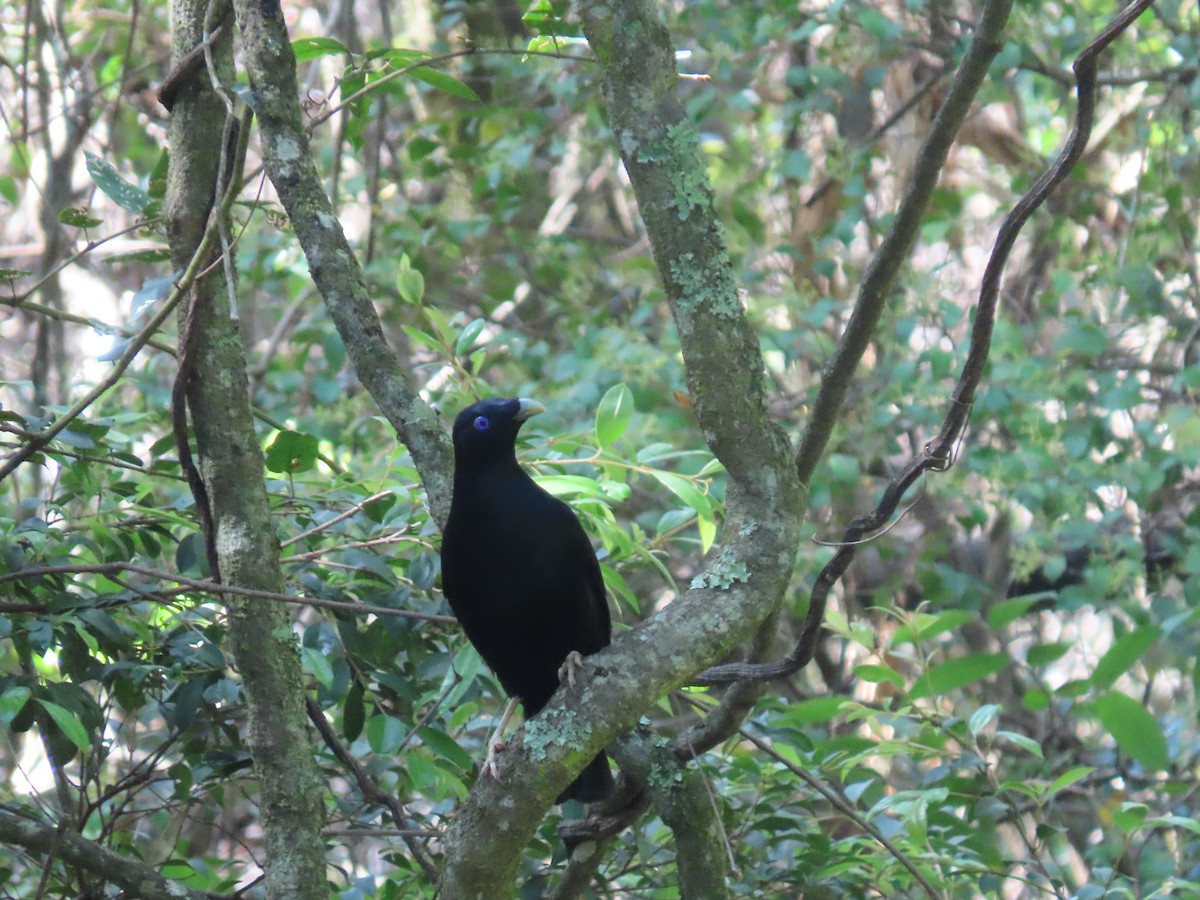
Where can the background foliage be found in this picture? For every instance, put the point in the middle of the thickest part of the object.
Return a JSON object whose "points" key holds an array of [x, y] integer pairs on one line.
{"points": [[1007, 697]]}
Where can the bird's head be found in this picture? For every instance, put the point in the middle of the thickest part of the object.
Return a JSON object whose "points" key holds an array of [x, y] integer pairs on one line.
{"points": [[486, 431]]}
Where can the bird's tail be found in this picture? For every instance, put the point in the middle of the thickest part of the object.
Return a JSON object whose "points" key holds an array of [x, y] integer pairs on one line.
{"points": [[594, 783]]}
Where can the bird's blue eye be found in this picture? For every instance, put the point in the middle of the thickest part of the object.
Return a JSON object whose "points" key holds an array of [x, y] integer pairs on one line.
{"points": [[481, 423]]}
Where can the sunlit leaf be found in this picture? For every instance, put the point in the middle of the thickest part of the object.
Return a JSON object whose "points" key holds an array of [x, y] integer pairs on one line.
{"points": [[444, 82], [70, 726], [613, 414], [1124, 652], [310, 48], [959, 672], [1135, 730], [128, 196]]}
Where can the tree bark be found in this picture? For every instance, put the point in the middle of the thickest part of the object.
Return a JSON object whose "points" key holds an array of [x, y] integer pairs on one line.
{"points": [[291, 793], [271, 65]]}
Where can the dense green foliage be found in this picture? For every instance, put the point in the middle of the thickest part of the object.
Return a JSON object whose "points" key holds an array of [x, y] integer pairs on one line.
{"points": [[1007, 698]]}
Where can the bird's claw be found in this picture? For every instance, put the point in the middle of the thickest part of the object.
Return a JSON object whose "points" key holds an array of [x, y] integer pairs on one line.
{"points": [[491, 763], [572, 664]]}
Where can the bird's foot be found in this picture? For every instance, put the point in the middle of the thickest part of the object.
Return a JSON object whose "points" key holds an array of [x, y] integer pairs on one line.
{"points": [[491, 763], [572, 664]]}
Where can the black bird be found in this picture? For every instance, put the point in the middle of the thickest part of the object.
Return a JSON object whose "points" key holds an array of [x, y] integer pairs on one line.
{"points": [[520, 573]]}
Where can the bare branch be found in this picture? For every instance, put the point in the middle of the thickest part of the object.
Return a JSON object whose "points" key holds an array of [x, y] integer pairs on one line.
{"points": [[135, 878]]}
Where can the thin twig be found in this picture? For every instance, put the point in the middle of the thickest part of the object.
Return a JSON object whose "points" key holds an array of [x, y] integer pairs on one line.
{"points": [[429, 62], [371, 792], [340, 517], [196, 584], [845, 809]]}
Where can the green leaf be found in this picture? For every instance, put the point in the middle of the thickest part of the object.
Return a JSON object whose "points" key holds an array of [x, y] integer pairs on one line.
{"points": [[547, 43], [819, 709], [1124, 652], [1023, 788], [292, 451], [1044, 654], [982, 717], [877, 24], [924, 626], [571, 486], [128, 196], [613, 414], [466, 340], [707, 527], [421, 147], [311, 48], [1130, 816], [1009, 611], [1068, 778], [12, 701], [1023, 741], [956, 673], [422, 337], [1192, 825], [467, 663], [1136, 732], [78, 217], [446, 747], [876, 673], [1082, 337], [409, 281], [317, 663], [685, 490], [385, 734], [68, 724], [444, 82], [548, 17], [354, 712]]}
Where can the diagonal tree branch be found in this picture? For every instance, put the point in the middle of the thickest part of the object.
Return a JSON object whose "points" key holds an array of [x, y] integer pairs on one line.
{"points": [[937, 455], [885, 265], [271, 65], [136, 879]]}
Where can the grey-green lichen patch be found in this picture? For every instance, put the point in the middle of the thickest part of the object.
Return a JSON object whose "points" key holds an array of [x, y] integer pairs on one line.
{"points": [[233, 538], [677, 154], [660, 777], [707, 288], [287, 149], [542, 734], [725, 572]]}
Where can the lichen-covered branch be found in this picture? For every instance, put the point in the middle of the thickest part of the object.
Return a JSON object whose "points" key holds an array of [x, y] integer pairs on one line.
{"points": [[686, 807], [134, 878], [335, 270], [744, 581], [291, 794], [658, 146]]}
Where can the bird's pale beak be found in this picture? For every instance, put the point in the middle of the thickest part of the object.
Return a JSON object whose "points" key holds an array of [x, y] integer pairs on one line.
{"points": [[528, 409]]}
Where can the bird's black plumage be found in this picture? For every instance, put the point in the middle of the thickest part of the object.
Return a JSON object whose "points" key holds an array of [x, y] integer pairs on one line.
{"points": [[519, 570]]}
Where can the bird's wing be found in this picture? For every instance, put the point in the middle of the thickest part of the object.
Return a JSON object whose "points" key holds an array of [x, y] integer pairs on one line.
{"points": [[583, 560]]}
